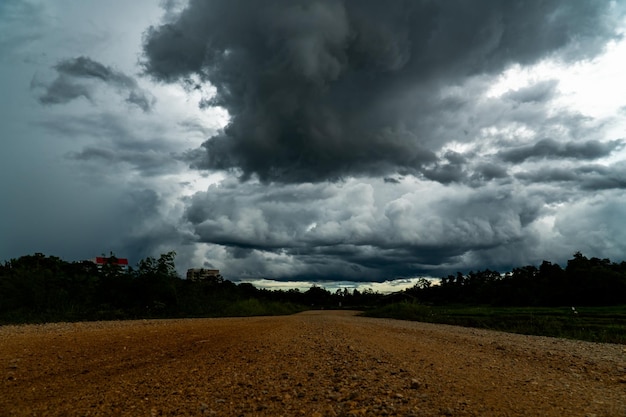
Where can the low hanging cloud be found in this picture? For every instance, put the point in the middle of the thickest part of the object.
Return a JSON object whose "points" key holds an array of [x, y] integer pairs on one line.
{"points": [[357, 230], [589, 177], [373, 230], [365, 142], [552, 149], [329, 89], [70, 83]]}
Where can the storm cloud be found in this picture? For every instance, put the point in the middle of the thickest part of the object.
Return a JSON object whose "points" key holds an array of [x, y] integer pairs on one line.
{"points": [[360, 229], [314, 141], [550, 148], [365, 137], [67, 86], [327, 89]]}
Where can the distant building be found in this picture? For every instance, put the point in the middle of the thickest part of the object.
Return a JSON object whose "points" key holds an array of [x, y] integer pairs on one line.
{"points": [[101, 261], [200, 274]]}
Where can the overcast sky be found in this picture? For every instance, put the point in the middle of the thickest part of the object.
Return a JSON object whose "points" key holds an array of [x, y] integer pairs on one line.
{"points": [[310, 141]]}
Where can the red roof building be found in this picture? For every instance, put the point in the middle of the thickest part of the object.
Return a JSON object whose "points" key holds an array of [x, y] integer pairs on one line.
{"points": [[101, 261]]}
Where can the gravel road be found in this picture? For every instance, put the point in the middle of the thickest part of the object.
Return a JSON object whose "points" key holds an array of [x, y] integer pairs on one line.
{"points": [[317, 363]]}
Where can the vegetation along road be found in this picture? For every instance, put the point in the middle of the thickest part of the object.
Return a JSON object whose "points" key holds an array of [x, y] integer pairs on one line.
{"points": [[316, 363]]}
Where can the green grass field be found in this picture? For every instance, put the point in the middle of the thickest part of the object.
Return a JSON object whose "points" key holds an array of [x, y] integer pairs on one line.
{"points": [[595, 324]]}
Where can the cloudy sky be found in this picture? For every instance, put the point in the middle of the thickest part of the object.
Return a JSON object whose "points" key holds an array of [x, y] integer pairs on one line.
{"points": [[329, 140]]}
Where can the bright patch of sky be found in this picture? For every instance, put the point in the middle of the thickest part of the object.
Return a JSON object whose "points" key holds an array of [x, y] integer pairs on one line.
{"points": [[385, 287], [595, 87]]}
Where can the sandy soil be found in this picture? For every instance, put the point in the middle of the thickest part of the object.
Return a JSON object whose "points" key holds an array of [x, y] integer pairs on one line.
{"points": [[319, 363]]}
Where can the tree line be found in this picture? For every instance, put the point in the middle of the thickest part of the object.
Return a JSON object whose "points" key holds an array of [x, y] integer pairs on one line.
{"points": [[583, 282], [38, 288]]}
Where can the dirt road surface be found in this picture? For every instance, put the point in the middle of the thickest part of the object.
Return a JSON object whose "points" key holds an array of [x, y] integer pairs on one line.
{"points": [[317, 363]]}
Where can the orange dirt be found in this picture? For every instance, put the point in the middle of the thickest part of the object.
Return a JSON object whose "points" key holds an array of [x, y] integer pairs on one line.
{"points": [[318, 363]]}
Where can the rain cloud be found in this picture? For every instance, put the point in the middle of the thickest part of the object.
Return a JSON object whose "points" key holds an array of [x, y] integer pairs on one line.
{"points": [[327, 89], [324, 140], [67, 86], [364, 139]]}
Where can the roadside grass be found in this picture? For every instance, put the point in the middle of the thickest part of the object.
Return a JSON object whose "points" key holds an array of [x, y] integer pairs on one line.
{"points": [[241, 308], [594, 324], [255, 307]]}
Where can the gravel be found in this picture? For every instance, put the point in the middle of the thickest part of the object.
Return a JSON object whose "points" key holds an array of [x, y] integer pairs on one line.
{"points": [[317, 363]]}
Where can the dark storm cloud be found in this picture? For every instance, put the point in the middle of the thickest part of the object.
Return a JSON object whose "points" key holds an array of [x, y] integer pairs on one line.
{"points": [[487, 171], [548, 175], [66, 87], [390, 180], [586, 177], [328, 89], [354, 230], [62, 90], [452, 170], [552, 149], [599, 177]]}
